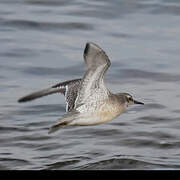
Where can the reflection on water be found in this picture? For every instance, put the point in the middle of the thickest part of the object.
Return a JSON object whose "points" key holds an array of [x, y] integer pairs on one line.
{"points": [[42, 42]]}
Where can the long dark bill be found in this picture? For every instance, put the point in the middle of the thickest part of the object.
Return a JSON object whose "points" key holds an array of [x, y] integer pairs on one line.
{"points": [[137, 102]]}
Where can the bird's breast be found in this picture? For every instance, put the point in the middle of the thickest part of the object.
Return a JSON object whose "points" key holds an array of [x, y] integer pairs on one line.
{"points": [[100, 114], [109, 111]]}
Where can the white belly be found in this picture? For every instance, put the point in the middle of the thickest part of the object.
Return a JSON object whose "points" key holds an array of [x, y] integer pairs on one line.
{"points": [[103, 115]]}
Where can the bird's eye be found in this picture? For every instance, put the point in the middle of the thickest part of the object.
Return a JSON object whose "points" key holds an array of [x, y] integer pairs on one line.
{"points": [[130, 99]]}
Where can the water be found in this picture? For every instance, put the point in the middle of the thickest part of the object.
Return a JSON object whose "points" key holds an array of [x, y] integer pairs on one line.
{"points": [[42, 43]]}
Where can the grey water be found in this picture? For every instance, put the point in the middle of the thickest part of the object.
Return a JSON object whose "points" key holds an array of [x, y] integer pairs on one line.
{"points": [[42, 43]]}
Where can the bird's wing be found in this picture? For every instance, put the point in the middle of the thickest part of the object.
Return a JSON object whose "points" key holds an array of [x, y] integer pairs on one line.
{"points": [[71, 92], [68, 88], [97, 63], [41, 93]]}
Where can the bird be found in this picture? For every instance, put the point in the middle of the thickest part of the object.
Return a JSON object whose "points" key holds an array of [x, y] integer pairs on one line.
{"points": [[88, 100]]}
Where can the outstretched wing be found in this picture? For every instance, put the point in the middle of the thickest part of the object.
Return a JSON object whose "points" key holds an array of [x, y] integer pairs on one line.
{"points": [[97, 63], [41, 93], [68, 88]]}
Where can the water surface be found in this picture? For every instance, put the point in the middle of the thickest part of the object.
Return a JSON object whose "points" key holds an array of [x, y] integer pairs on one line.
{"points": [[42, 43]]}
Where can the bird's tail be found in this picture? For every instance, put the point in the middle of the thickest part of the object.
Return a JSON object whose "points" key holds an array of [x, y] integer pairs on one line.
{"points": [[65, 120]]}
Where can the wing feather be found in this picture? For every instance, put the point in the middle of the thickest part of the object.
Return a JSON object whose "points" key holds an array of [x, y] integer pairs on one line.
{"points": [[97, 63]]}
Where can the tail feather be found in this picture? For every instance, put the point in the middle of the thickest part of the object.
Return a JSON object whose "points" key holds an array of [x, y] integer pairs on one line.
{"points": [[39, 94], [65, 120]]}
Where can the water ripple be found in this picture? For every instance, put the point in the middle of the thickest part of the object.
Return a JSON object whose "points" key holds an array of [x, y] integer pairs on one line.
{"points": [[141, 38], [155, 76], [59, 26], [123, 163], [13, 162], [77, 69]]}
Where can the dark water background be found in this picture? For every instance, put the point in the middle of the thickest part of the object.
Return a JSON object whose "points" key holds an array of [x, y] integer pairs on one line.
{"points": [[41, 44]]}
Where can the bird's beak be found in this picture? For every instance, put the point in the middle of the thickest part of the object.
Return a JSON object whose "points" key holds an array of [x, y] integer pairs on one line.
{"points": [[137, 102]]}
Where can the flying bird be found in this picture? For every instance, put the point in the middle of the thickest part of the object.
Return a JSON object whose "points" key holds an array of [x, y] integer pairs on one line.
{"points": [[88, 100]]}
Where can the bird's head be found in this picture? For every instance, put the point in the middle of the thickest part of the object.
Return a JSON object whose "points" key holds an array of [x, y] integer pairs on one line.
{"points": [[128, 99]]}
